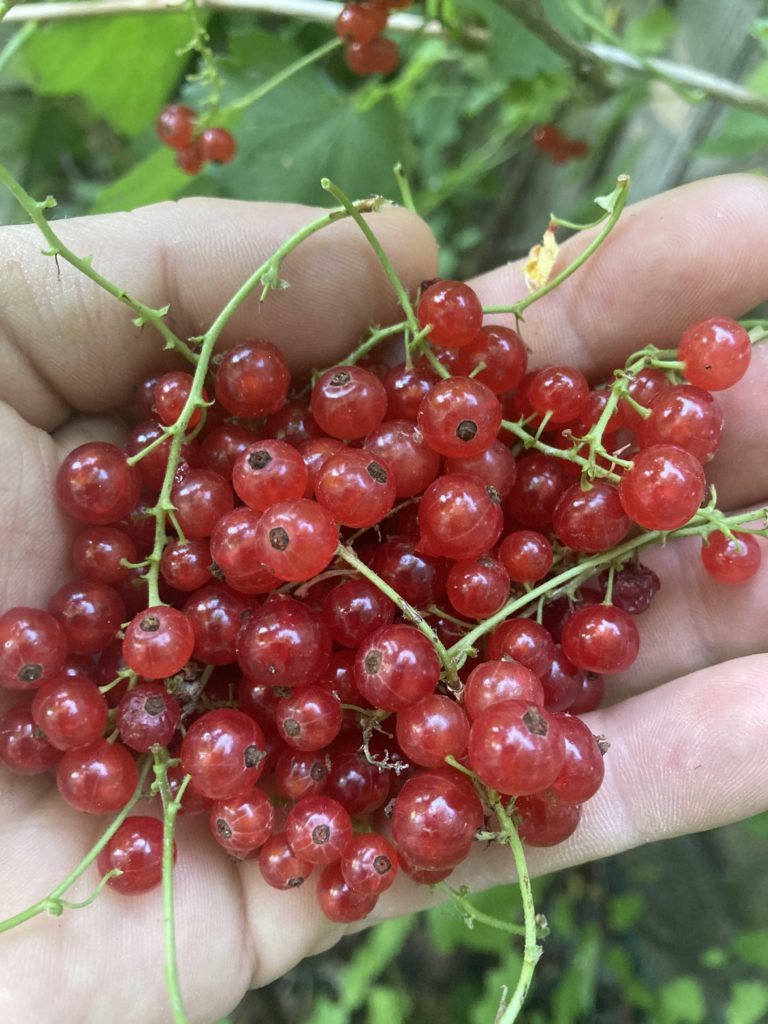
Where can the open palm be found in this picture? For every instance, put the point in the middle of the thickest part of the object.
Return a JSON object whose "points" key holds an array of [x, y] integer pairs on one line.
{"points": [[687, 734]]}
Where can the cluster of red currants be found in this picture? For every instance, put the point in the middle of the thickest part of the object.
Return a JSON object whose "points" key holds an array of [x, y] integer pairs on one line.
{"points": [[177, 128], [312, 690], [367, 51], [548, 139]]}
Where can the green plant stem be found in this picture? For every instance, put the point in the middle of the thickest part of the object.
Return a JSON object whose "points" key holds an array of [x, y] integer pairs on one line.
{"points": [[145, 314], [617, 201], [282, 76], [347, 555], [15, 43], [402, 294], [406, 194], [170, 811], [460, 899], [703, 523], [531, 949], [569, 454], [53, 900]]}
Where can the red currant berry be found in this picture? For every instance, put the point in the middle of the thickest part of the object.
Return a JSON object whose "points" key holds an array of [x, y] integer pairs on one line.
{"points": [[687, 417], [279, 865], [269, 472], [221, 447], [299, 774], [405, 389], [582, 773], [729, 560], [176, 125], [418, 578], [496, 466], [361, 23], [297, 539], [98, 551], [477, 587], [96, 485], [190, 159], [253, 380], [136, 849], [171, 394], [516, 747], [540, 483], [242, 823], [216, 615], [146, 715], [369, 864], [396, 666], [402, 447], [524, 641], [348, 402], [158, 642], [24, 750], [99, 778], [460, 517], [558, 391], [309, 719], [664, 488], [431, 730], [200, 500], [453, 312], [33, 648], [217, 145], [435, 819], [492, 682], [283, 643], [502, 351], [356, 487], [186, 565], [90, 614], [224, 752], [601, 638], [70, 710], [318, 829], [459, 417], [352, 610], [590, 521], [526, 555], [716, 353], [379, 57], [542, 823]]}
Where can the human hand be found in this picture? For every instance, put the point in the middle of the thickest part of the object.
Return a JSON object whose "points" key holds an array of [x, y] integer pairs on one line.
{"points": [[685, 753]]}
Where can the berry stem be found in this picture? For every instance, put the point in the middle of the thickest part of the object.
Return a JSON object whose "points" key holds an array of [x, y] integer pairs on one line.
{"points": [[287, 72], [348, 555], [57, 907], [144, 314], [426, 350], [459, 897], [404, 185], [613, 204], [170, 810], [588, 465], [531, 950], [209, 74], [53, 899]]}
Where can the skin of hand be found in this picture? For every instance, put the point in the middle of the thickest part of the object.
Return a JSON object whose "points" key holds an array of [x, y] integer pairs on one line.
{"points": [[687, 736]]}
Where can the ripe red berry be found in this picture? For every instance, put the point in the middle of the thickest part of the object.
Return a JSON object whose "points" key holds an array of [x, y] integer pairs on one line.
{"points": [[318, 829], [592, 520], [379, 57], [685, 416], [348, 402], [396, 666], [716, 353], [664, 488], [526, 555], [361, 23], [459, 517], [252, 380], [356, 487], [297, 539], [404, 450], [731, 560], [492, 682], [90, 614], [516, 747], [435, 819], [502, 351], [33, 648], [96, 485], [70, 710], [24, 749], [353, 609], [477, 587], [224, 752], [158, 642], [431, 730], [242, 823], [369, 864], [582, 773], [136, 849], [559, 391], [601, 638], [217, 145], [283, 643], [279, 865], [525, 641], [267, 472], [176, 125], [453, 311], [309, 719], [459, 417], [190, 159], [146, 715], [99, 778], [543, 823]]}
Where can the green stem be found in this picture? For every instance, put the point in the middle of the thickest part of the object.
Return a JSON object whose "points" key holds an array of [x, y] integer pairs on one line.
{"points": [[531, 441], [54, 898], [404, 185], [16, 41], [702, 523], [282, 76], [426, 350], [460, 899], [615, 203], [347, 555], [170, 810], [402, 294], [531, 949], [145, 314]]}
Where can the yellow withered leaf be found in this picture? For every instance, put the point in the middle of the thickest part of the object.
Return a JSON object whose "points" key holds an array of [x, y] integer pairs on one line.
{"points": [[541, 260]]}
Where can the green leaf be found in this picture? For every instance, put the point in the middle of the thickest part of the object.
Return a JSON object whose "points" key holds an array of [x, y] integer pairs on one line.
{"points": [[153, 180], [625, 910], [752, 947], [575, 993], [651, 33], [512, 50], [758, 825], [387, 1005], [748, 1004], [123, 67], [742, 133], [681, 1001], [760, 31], [496, 980]]}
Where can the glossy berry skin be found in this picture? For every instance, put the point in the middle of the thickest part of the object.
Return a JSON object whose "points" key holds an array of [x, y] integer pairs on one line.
{"points": [[369, 864], [96, 485], [185, 565], [216, 615], [496, 466], [716, 353], [418, 578], [224, 752], [315, 452], [590, 521], [318, 829], [136, 849], [269, 472], [562, 683], [297, 539], [309, 719], [459, 417], [492, 682], [190, 159], [504, 354], [158, 642], [601, 638], [644, 388], [201, 498], [403, 449], [217, 145], [477, 587], [664, 488], [405, 389], [176, 125], [361, 23], [146, 715], [589, 696], [220, 448], [171, 394], [685, 416], [542, 823], [379, 57], [353, 609], [731, 561], [540, 483], [526, 555], [235, 543], [435, 819], [99, 778], [453, 311], [516, 747], [348, 402], [355, 783], [338, 901], [524, 641], [24, 749], [559, 391], [33, 648], [356, 487], [97, 553], [582, 773], [396, 666], [431, 730], [279, 865], [459, 517], [252, 380], [153, 465], [299, 774], [283, 644], [70, 710], [90, 614], [242, 823]]}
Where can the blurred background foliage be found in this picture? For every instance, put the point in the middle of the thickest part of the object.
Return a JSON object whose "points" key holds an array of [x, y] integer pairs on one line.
{"points": [[672, 934]]}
